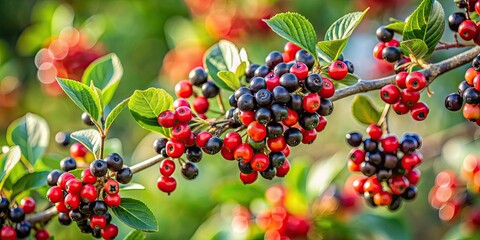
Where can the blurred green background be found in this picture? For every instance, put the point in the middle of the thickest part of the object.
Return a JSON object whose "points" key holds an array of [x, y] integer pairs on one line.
{"points": [[158, 42]]}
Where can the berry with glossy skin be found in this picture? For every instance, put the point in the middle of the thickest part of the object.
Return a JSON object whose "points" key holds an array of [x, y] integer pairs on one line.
{"points": [[326, 107], [471, 96], [54, 194], [274, 130], [232, 140], [246, 102], [63, 179], [77, 150], [198, 76], [124, 176], [410, 193], [72, 201], [98, 222], [189, 170], [68, 164], [250, 71], [73, 186], [167, 167], [256, 131], [167, 119], [289, 81], [400, 79], [291, 49], [291, 119], [281, 95], [453, 102], [243, 153], [248, 178], [263, 115], [338, 70], [64, 219], [111, 187], [87, 120], [284, 169], [202, 139], [260, 162], [53, 176], [16, 214], [181, 131], [350, 66], [354, 139], [468, 30], [87, 177], [200, 104], [390, 143], [375, 132], [455, 19], [391, 54], [372, 185], [415, 81], [180, 102], [194, 154], [183, 89], [214, 145], [115, 161], [280, 69], [279, 111], [309, 121], [246, 117], [293, 137], [311, 102], [300, 70], [183, 114], [383, 198], [109, 232], [378, 50], [305, 57], [175, 149], [112, 200], [264, 97], [42, 234], [273, 80], [398, 184], [400, 108], [390, 94], [98, 168], [99, 208], [328, 89], [261, 71], [384, 34], [309, 136], [314, 83], [471, 112], [410, 98], [296, 102], [273, 58], [166, 184], [419, 111], [257, 83], [210, 90]]}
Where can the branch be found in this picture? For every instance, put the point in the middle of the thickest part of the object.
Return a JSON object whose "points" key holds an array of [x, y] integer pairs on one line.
{"points": [[431, 73]]}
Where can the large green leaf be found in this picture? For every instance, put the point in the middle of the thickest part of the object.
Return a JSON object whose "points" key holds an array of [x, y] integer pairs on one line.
{"points": [[31, 133], [396, 26], [339, 32], [8, 160], [294, 28], [29, 181], [146, 105], [426, 23], [364, 111], [83, 96], [223, 56], [230, 79], [415, 47], [322, 174], [90, 138], [114, 113], [105, 73], [385, 227], [135, 235], [136, 214]]}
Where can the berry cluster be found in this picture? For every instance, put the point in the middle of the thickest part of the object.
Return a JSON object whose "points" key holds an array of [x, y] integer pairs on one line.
{"points": [[86, 200], [468, 93], [461, 23], [12, 220], [385, 159]]}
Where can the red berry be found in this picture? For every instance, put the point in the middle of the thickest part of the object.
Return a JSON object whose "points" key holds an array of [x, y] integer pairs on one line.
{"points": [[74, 186], [286, 151], [175, 149], [232, 140], [110, 231], [190, 141], [181, 131], [256, 131], [419, 111], [374, 131], [409, 98], [477, 7], [167, 119], [372, 185], [468, 30], [87, 177], [292, 118], [390, 143], [8, 233], [111, 187], [180, 102], [72, 201], [183, 89], [98, 222], [358, 185], [309, 136], [328, 89], [476, 82], [311, 102], [284, 169], [246, 117], [413, 176], [112, 200], [353, 167], [166, 184], [200, 104], [357, 156], [338, 70], [415, 81], [322, 123], [390, 94], [398, 184], [55, 194], [291, 49], [63, 179], [392, 43], [260, 162], [400, 108], [469, 75], [272, 81], [248, 178], [300, 70], [183, 114], [400, 79], [60, 206], [244, 153], [167, 167], [382, 198], [227, 154], [77, 150], [286, 57], [202, 139], [88, 193], [471, 112], [409, 162], [378, 49], [276, 144], [41, 234], [28, 205]]}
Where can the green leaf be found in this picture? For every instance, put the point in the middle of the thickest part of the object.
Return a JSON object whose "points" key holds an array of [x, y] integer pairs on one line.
{"points": [[415, 47], [90, 138], [339, 32], [131, 186], [146, 105], [30, 181], [83, 96], [364, 111], [77, 173], [322, 174], [240, 71], [294, 28], [223, 56], [31, 133], [114, 113], [135, 235], [426, 23], [99, 96], [136, 214], [8, 160], [230, 79], [349, 80], [396, 26], [105, 73]]}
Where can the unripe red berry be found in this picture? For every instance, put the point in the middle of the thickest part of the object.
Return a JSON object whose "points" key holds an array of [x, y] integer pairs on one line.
{"points": [[284, 169], [309, 136], [74, 186], [410, 98], [202, 139], [400, 108], [375, 132], [227, 154], [372, 185], [246, 117], [390, 94], [183, 89], [291, 49], [98, 222], [292, 118], [200, 104], [88, 193], [378, 49], [55, 194], [468, 30], [63, 179], [72, 201], [87, 177], [42, 234], [413, 176], [112, 200], [256, 131], [111, 187], [181, 131], [167, 167], [183, 114], [338, 70], [415, 81], [27, 204], [300, 70], [248, 178], [311, 102], [272, 81], [77, 150], [382, 198], [61, 207], [358, 185], [232, 140], [390, 143], [398, 184], [419, 111], [322, 123], [328, 89], [260, 162], [471, 112], [244, 153], [110, 231], [180, 102], [166, 184], [400, 79], [175, 149], [357, 155], [276, 144], [469, 75], [167, 119]]}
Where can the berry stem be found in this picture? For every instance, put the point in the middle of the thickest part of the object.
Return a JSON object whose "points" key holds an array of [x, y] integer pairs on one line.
{"points": [[383, 121]]}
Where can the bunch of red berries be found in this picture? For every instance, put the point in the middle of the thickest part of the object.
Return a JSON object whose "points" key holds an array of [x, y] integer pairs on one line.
{"points": [[468, 93], [86, 200], [12, 220], [460, 21], [385, 159]]}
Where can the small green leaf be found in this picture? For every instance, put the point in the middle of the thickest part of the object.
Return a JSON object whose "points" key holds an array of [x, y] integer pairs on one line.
{"points": [[77, 173], [426, 23], [230, 79], [105, 73], [294, 28], [136, 214], [8, 160], [364, 111], [29, 181], [146, 105], [31, 133], [240, 71], [339, 32], [83, 96], [396, 26], [135, 235], [131, 186], [223, 56], [114, 113], [90, 138], [99, 96], [415, 47]]}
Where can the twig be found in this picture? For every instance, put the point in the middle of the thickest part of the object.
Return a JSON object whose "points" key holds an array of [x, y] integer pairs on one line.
{"points": [[444, 46]]}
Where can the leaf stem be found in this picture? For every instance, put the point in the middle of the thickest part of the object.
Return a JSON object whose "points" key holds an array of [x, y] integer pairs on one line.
{"points": [[383, 121]]}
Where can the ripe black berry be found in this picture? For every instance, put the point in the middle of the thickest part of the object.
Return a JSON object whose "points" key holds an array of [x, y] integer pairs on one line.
{"points": [[374, 158], [98, 168], [370, 145], [23, 229], [326, 107], [476, 63], [305, 57], [396, 203], [277, 159], [309, 121], [273, 59], [341, 57], [279, 111], [263, 115], [257, 83], [114, 162], [198, 76], [85, 208], [16, 214], [289, 81], [384, 34], [124, 176], [350, 66], [262, 71], [64, 219], [281, 69], [461, 3], [87, 120], [296, 102], [410, 193], [263, 97], [250, 71], [213, 146], [462, 87], [241, 91], [471, 96], [391, 54], [367, 169], [232, 101], [189, 170], [210, 90], [384, 174], [159, 145], [246, 102], [52, 177], [415, 136], [68, 164], [390, 161], [354, 139], [76, 215], [453, 102], [269, 173], [99, 208], [274, 130], [455, 19], [408, 145], [4, 204], [63, 138], [281, 95], [293, 137], [314, 83], [96, 233], [245, 168], [194, 154]]}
